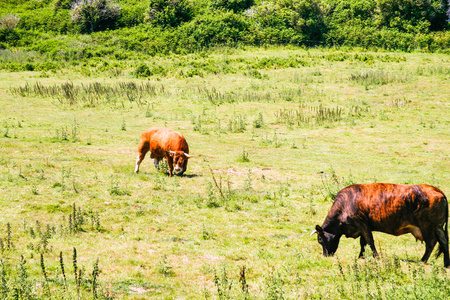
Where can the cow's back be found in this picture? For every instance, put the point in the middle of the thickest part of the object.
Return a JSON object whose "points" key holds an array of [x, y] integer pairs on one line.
{"points": [[164, 139], [392, 208]]}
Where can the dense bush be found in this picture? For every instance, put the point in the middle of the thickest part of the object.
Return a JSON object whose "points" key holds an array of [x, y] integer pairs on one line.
{"points": [[286, 21], [10, 37], [413, 15], [142, 70], [350, 12], [370, 36], [222, 28], [389, 24], [234, 5], [439, 41], [62, 4], [45, 20], [307, 17], [169, 13], [404, 15], [131, 15]]}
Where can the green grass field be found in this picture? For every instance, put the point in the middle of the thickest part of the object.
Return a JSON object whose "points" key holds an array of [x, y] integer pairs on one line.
{"points": [[274, 134]]}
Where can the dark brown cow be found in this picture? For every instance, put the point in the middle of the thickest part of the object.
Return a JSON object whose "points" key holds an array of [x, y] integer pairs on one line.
{"points": [[164, 143], [396, 209]]}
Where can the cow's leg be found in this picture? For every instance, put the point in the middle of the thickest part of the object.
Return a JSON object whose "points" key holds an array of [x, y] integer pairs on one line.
{"points": [[142, 149], [368, 237], [430, 242], [156, 162], [443, 245], [363, 243], [170, 163]]}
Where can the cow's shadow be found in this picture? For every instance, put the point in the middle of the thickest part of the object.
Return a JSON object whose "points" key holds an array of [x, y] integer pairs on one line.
{"points": [[411, 260], [184, 175], [149, 173], [189, 175]]}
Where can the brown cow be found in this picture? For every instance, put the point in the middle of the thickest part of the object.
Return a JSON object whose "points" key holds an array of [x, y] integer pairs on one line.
{"points": [[164, 143], [396, 209]]}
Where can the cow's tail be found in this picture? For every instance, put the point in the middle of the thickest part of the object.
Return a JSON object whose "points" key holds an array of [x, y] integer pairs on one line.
{"points": [[441, 248]]}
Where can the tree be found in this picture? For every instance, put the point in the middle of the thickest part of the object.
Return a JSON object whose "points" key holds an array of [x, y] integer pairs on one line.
{"points": [[413, 15], [93, 15]]}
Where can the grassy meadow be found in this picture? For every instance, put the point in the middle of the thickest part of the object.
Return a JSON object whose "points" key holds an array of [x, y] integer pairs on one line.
{"points": [[274, 133]]}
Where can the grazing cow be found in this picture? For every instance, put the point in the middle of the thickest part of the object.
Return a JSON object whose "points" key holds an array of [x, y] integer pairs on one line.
{"points": [[396, 209], [164, 143]]}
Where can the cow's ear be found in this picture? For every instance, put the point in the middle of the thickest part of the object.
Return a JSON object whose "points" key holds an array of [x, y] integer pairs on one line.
{"points": [[319, 229]]}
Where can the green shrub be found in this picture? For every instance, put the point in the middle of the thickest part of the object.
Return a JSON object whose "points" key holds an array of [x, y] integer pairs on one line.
{"points": [[350, 12], [11, 37], [370, 36], [194, 72], [413, 15], [48, 66], [222, 28], [13, 67], [49, 46], [436, 41], [29, 67], [142, 71], [131, 15], [270, 36], [169, 13], [279, 62], [233, 5], [158, 70], [294, 22], [45, 20], [308, 18], [62, 4], [269, 15]]}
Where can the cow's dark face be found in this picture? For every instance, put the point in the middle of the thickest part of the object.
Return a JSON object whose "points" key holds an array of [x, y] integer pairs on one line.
{"points": [[329, 241], [180, 160]]}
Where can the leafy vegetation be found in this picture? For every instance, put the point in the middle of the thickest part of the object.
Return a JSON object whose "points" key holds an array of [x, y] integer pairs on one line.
{"points": [[168, 13], [153, 27]]}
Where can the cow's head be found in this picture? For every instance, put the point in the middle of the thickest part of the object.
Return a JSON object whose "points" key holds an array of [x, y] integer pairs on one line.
{"points": [[329, 241], [180, 159]]}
